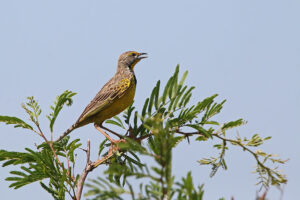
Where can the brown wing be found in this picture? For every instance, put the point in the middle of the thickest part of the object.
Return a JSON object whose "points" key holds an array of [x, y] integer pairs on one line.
{"points": [[112, 89]]}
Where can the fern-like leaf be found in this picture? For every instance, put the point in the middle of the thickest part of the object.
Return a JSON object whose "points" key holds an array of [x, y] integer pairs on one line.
{"points": [[16, 121], [64, 99]]}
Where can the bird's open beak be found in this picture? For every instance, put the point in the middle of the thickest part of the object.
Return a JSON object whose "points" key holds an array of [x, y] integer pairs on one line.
{"points": [[142, 56]]}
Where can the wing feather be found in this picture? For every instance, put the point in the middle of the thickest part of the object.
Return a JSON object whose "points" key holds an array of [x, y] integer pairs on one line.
{"points": [[110, 91]]}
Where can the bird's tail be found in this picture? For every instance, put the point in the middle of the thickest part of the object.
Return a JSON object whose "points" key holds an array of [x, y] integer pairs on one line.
{"points": [[67, 132]]}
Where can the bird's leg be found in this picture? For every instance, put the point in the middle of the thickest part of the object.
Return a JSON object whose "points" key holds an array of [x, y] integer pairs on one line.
{"points": [[104, 133], [116, 134]]}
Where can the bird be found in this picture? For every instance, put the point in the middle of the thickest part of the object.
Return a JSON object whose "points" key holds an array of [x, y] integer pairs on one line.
{"points": [[114, 97]]}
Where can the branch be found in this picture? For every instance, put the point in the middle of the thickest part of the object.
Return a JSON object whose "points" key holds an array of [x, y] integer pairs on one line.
{"points": [[270, 172], [92, 165], [87, 169], [50, 145]]}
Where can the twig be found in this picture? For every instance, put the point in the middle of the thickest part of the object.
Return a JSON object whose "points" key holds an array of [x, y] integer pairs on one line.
{"points": [[92, 165], [245, 149], [143, 137], [111, 152], [87, 169], [50, 145], [177, 131], [40, 133], [189, 134], [68, 163], [226, 140], [216, 134]]}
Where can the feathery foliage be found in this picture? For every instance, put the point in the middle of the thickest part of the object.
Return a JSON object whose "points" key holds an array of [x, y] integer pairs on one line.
{"points": [[16, 121], [61, 100], [166, 119]]}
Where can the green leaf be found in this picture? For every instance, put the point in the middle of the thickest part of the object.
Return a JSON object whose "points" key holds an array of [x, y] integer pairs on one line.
{"points": [[211, 110], [176, 140], [173, 83], [201, 138], [136, 162], [64, 99], [206, 103], [16, 121], [34, 110], [151, 101], [15, 158], [175, 106], [166, 90], [183, 78], [189, 183], [200, 129], [128, 112], [185, 98], [145, 107], [212, 123], [18, 173], [49, 189], [118, 122], [135, 156], [135, 119], [233, 124], [267, 138], [156, 101], [71, 148], [102, 146]]}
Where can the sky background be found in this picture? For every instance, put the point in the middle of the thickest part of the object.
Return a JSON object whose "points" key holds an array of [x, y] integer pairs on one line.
{"points": [[246, 51]]}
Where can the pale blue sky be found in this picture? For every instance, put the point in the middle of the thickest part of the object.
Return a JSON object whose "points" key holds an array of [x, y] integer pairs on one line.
{"points": [[246, 51]]}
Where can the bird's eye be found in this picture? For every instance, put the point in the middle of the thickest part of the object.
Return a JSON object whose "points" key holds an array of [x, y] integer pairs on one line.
{"points": [[133, 54]]}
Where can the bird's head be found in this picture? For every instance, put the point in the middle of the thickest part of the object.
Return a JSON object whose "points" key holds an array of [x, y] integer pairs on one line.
{"points": [[131, 58]]}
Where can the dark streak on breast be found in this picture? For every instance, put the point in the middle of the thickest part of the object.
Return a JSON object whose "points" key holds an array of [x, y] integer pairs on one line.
{"points": [[135, 81]]}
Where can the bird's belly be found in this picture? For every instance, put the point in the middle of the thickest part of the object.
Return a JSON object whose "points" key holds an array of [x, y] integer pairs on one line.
{"points": [[117, 106]]}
